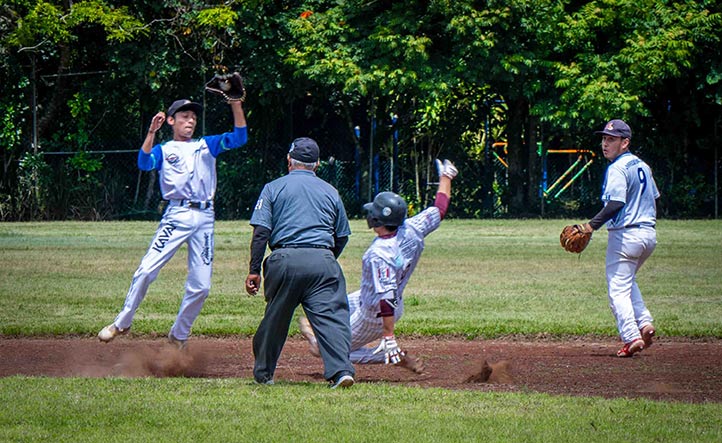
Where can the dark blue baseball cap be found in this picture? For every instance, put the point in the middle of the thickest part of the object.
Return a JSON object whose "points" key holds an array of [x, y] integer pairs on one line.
{"points": [[184, 105], [305, 150], [616, 128]]}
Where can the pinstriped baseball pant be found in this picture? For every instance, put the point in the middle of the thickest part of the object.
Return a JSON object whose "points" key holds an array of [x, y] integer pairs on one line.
{"points": [[366, 328]]}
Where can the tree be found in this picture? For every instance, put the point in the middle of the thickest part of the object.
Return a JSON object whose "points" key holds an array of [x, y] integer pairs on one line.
{"points": [[651, 63]]}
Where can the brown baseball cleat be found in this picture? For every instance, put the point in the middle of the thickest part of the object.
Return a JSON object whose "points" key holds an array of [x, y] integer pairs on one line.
{"points": [[647, 332], [631, 348]]}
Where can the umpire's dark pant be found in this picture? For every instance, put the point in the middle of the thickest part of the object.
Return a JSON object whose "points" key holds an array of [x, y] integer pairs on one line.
{"points": [[313, 278]]}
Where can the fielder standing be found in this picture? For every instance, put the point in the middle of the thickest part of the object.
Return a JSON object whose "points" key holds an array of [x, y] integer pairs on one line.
{"points": [[629, 194], [386, 269], [303, 220], [187, 175]]}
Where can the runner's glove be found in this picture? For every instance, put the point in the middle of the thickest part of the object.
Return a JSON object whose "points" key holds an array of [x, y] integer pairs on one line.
{"points": [[391, 350]]}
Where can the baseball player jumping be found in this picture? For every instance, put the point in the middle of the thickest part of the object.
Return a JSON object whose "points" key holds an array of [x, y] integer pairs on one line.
{"points": [[629, 194], [187, 175], [387, 266]]}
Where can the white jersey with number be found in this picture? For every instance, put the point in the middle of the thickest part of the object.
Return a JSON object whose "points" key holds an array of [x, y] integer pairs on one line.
{"points": [[387, 267], [632, 240], [629, 180]]}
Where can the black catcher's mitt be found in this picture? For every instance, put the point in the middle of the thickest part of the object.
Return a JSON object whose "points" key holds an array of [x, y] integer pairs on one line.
{"points": [[228, 86]]}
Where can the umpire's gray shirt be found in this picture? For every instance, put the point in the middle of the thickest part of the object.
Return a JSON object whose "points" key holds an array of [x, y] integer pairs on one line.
{"points": [[300, 208]]}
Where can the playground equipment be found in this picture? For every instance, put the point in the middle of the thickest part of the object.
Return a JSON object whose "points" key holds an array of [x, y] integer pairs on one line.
{"points": [[584, 160]]}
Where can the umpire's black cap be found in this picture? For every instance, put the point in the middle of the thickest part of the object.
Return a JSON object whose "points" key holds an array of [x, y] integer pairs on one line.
{"points": [[184, 105], [305, 150]]}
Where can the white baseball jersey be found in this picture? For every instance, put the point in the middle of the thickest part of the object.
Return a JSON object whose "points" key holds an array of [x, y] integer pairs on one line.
{"points": [[632, 239], [387, 267], [187, 175], [629, 180]]}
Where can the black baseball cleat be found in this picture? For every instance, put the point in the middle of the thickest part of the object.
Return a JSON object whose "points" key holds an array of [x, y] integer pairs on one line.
{"points": [[344, 381]]}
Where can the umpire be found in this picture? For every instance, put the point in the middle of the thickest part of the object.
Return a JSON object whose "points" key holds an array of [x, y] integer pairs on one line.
{"points": [[303, 220]]}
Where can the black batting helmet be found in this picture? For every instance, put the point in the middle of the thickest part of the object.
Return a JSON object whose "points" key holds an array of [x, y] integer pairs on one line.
{"points": [[387, 209]]}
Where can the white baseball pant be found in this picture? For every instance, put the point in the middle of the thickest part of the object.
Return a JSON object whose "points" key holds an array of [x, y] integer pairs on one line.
{"points": [[627, 250], [179, 225]]}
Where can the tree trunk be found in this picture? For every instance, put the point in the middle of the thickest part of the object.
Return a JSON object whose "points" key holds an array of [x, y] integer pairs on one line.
{"points": [[518, 158], [534, 169], [47, 124]]}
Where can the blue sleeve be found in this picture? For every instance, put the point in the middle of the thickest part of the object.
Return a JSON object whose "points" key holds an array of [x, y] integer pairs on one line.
{"points": [[154, 160], [227, 141]]}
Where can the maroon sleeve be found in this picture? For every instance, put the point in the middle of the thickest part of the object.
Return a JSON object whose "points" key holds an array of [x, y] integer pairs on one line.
{"points": [[442, 202]]}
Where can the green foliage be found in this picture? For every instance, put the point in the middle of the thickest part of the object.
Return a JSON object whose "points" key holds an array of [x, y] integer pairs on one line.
{"points": [[80, 111], [690, 194], [117, 22], [220, 17], [84, 189], [42, 22], [48, 21], [10, 133], [714, 78], [459, 75], [618, 52], [34, 184]]}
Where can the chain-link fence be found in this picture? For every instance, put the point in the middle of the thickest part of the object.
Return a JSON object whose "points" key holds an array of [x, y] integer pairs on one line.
{"points": [[107, 185], [116, 189]]}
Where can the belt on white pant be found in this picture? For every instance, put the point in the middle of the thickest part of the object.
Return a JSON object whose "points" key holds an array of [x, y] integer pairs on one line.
{"points": [[638, 225], [192, 204]]}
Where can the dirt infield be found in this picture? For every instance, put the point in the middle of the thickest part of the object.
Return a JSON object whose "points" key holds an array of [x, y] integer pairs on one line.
{"points": [[672, 370]]}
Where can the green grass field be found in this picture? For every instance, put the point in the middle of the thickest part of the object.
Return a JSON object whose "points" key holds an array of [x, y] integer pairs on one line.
{"points": [[481, 278]]}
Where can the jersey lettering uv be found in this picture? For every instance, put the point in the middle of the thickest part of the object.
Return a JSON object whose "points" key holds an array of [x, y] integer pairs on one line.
{"points": [[629, 180]]}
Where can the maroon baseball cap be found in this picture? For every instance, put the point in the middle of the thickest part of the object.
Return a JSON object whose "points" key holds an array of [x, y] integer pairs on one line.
{"points": [[184, 105], [616, 128]]}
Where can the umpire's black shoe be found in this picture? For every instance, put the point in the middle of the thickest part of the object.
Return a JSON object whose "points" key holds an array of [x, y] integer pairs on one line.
{"points": [[343, 381]]}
